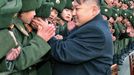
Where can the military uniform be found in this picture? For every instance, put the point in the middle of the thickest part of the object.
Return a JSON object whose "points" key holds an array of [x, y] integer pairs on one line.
{"points": [[44, 66], [31, 44], [45, 8], [123, 40], [62, 28], [7, 39]]}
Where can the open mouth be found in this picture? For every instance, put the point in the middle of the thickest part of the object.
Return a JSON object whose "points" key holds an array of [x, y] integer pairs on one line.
{"points": [[68, 17]]}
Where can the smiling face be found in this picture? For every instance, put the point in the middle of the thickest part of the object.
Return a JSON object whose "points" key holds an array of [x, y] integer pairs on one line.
{"points": [[84, 12], [67, 14]]}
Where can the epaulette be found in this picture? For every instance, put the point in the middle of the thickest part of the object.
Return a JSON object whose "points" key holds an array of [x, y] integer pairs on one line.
{"points": [[11, 26]]}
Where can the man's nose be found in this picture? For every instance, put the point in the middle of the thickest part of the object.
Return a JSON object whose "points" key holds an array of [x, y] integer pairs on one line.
{"points": [[74, 12], [51, 16], [69, 14]]}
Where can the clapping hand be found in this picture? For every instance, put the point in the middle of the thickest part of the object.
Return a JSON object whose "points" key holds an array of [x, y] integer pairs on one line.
{"points": [[13, 54], [44, 30]]}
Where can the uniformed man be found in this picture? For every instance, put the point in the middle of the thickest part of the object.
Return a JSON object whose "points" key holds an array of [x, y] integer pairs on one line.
{"points": [[107, 13], [44, 66], [6, 16], [66, 16], [109, 3], [8, 11], [58, 6]]}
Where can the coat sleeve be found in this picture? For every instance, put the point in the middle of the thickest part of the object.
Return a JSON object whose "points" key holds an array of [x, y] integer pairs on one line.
{"points": [[6, 42], [32, 53], [84, 46]]}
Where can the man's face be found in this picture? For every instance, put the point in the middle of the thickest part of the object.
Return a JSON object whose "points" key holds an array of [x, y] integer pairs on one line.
{"points": [[119, 4], [124, 21], [111, 20], [124, 6], [131, 4], [67, 14], [27, 17], [82, 13], [116, 3], [128, 23], [109, 2], [119, 19], [53, 14]]}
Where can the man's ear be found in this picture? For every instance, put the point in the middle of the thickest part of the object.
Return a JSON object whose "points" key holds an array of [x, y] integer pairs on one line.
{"points": [[95, 10]]}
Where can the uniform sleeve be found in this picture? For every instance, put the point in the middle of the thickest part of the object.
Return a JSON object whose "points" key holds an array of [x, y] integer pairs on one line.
{"points": [[32, 53], [6, 42], [83, 47]]}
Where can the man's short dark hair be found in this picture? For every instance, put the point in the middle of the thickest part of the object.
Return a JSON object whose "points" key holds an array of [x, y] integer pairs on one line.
{"points": [[81, 1]]}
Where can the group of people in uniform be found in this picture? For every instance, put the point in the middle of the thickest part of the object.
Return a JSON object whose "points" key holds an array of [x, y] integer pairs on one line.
{"points": [[120, 15], [42, 37]]}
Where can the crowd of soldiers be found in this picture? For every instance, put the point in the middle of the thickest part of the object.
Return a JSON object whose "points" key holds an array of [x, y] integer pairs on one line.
{"points": [[118, 13]]}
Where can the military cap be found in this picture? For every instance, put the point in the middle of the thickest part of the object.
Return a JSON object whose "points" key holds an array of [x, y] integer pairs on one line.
{"points": [[2, 2], [8, 11], [106, 11], [102, 3], [68, 4], [131, 19], [11, 6], [126, 13], [44, 10], [118, 10], [28, 5], [115, 13], [59, 5]]}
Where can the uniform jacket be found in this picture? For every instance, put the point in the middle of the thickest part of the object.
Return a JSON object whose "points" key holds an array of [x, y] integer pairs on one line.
{"points": [[87, 50], [6, 42], [31, 44], [33, 48]]}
